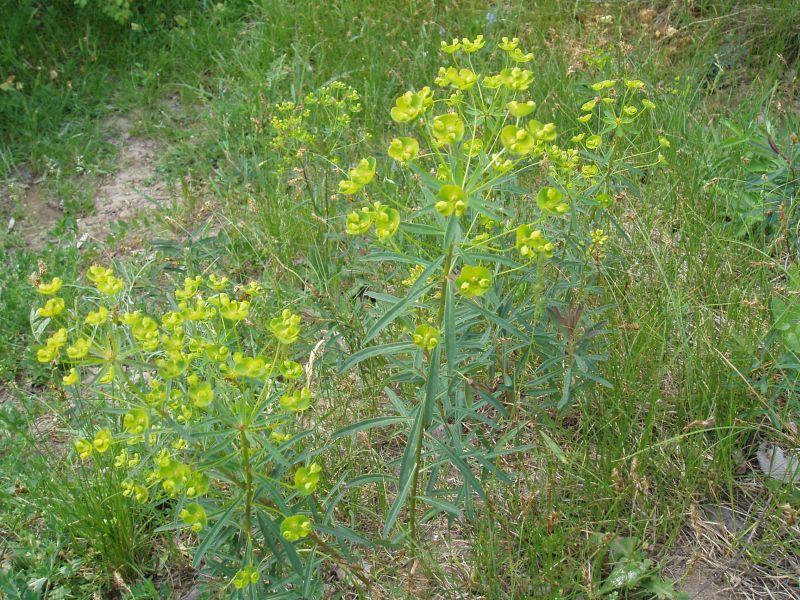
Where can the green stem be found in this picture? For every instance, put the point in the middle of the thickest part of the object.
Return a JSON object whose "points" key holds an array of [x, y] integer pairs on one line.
{"points": [[248, 483], [412, 506]]}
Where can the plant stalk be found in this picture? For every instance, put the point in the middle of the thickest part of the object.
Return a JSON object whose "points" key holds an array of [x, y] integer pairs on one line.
{"points": [[412, 505], [248, 484]]}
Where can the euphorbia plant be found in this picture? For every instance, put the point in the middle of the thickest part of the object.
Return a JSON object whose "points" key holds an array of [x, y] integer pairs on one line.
{"points": [[490, 233], [200, 414]]}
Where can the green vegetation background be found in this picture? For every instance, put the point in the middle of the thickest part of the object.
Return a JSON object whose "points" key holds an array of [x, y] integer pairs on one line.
{"points": [[678, 430]]}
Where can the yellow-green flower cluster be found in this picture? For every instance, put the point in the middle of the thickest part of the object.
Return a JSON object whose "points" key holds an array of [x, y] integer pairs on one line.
{"points": [[617, 104], [465, 44], [338, 100], [460, 79], [232, 310], [425, 336], [53, 306], [296, 527], [177, 374], [52, 346], [104, 280], [447, 129], [599, 238], [360, 175], [101, 443], [551, 200], [286, 327], [194, 516], [307, 478], [403, 149], [451, 200], [245, 577], [51, 288], [412, 105], [385, 218], [290, 128], [532, 243], [474, 281]]}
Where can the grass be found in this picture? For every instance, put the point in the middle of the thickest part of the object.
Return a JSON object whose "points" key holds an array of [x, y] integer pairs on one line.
{"points": [[674, 440]]}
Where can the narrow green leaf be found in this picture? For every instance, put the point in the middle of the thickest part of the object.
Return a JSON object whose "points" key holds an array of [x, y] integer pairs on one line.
{"points": [[441, 505], [567, 388], [419, 287], [489, 398], [397, 505], [394, 257], [554, 448], [420, 229], [452, 232], [432, 387], [409, 459], [396, 402], [450, 331], [406, 476], [499, 321], [380, 350], [492, 468], [308, 579], [211, 537], [498, 259], [461, 465], [368, 424], [342, 533]]}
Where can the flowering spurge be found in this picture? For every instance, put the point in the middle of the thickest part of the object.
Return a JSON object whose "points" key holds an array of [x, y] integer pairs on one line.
{"points": [[385, 218], [492, 219], [360, 176], [318, 121], [198, 413]]}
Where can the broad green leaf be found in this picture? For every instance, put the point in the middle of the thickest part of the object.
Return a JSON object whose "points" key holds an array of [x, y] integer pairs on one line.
{"points": [[625, 576]]}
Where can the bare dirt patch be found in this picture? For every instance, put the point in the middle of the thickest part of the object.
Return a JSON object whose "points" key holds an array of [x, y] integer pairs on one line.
{"points": [[134, 189], [701, 582], [27, 209], [718, 558]]}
